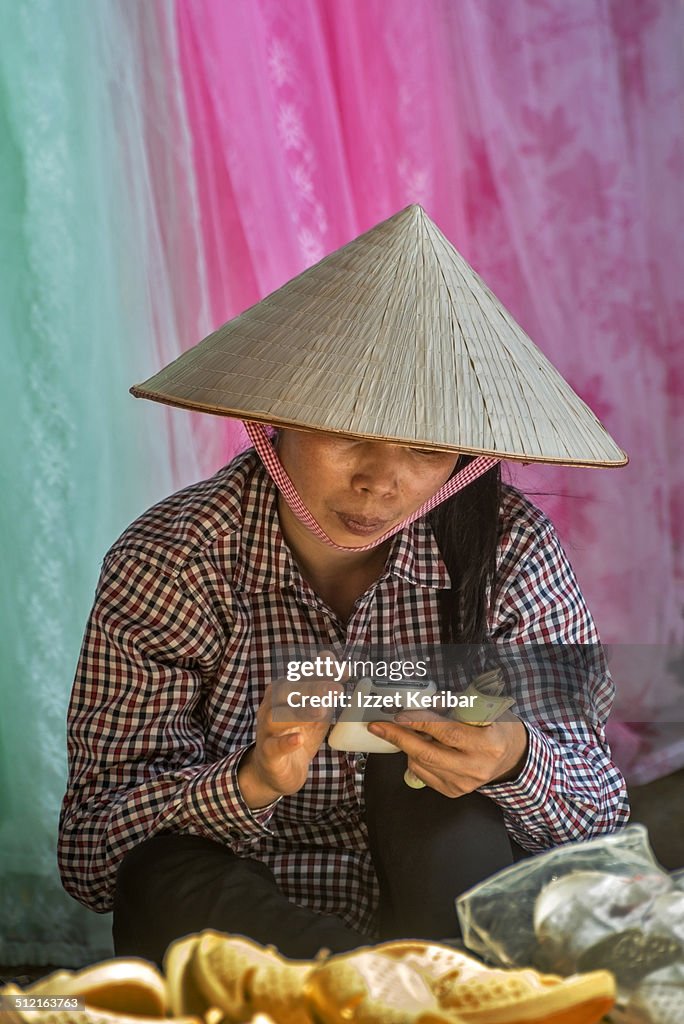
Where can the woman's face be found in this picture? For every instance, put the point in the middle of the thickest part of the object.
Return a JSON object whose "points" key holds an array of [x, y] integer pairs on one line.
{"points": [[355, 489]]}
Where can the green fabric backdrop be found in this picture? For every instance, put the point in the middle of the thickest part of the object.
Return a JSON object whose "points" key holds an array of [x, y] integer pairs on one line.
{"points": [[79, 259]]}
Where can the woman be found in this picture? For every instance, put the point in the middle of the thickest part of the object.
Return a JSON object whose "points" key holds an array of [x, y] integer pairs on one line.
{"points": [[377, 519]]}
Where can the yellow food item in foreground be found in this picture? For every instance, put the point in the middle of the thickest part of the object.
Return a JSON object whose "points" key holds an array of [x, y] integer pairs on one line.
{"points": [[366, 987], [243, 978], [125, 985], [212, 978], [488, 995], [90, 1015], [184, 994]]}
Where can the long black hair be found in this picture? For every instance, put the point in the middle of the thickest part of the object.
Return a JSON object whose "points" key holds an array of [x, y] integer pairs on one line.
{"points": [[466, 528]]}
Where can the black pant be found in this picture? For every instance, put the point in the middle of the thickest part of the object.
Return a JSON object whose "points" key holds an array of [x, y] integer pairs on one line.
{"points": [[426, 850]]}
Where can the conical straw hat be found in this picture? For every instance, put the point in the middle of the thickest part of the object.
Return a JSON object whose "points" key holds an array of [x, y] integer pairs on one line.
{"points": [[394, 337]]}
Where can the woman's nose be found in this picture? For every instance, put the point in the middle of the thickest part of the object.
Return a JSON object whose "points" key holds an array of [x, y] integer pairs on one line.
{"points": [[378, 471]]}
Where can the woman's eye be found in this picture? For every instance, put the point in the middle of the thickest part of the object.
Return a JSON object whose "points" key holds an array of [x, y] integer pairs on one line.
{"points": [[426, 451]]}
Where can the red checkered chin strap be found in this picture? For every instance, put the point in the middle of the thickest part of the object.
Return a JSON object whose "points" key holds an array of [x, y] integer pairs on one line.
{"points": [[276, 470]]}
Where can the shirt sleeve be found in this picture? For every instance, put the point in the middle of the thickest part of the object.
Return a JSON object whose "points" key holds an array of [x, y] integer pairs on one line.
{"points": [[569, 788], [138, 764]]}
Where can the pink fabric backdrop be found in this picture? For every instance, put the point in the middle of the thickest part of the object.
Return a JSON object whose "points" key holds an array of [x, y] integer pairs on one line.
{"points": [[545, 140]]}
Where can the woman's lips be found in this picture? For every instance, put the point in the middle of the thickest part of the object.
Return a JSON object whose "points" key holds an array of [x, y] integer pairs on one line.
{"points": [[361, 525]]}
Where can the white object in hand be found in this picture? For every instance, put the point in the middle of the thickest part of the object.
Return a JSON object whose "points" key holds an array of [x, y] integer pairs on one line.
{"points": [[373, 702]]}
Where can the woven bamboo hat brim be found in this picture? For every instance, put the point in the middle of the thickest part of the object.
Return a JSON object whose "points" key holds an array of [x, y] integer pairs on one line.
{"points": [[393, 337]]}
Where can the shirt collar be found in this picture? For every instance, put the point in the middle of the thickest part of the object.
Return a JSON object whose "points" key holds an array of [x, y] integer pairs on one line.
{"points": [[266, 563]]}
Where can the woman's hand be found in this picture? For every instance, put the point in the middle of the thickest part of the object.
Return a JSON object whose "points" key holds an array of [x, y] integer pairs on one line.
{"points": [[454, 758], [287, 740]]}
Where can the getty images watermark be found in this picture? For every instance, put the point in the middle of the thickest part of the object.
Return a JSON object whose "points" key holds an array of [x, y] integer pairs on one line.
{"points": [[415, 691], [544, 682], [326, 667]]}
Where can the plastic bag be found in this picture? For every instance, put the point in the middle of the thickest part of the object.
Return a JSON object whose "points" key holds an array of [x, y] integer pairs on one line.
{"points": [[601, 903]]}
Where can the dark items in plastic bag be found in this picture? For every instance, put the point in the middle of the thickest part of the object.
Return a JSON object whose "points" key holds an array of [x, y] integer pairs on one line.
{"points": [[602, 903], [497, 916]]}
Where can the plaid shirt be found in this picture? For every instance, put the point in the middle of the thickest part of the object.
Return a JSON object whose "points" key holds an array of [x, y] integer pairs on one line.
{"points": [[177, 654]]}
